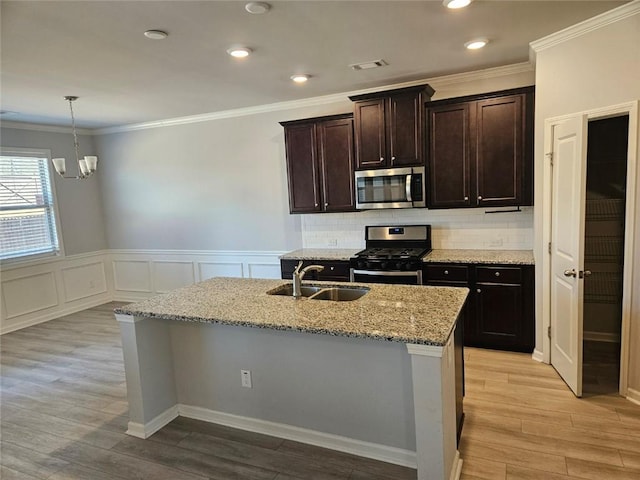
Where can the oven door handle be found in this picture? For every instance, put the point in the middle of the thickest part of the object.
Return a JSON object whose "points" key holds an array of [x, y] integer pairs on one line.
{"points": [[415, 273]]}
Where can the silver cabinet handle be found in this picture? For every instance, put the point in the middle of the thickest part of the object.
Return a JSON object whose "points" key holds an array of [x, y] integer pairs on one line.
{"points": [[382, 159], [316, 204], [479, 291], [479, 197], [393, 158], [466, 199], [497, 274], [570, 273], [446, 272], [326, 204]]}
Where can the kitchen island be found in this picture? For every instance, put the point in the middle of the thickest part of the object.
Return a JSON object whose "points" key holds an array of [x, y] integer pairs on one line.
{"points": [[374, 376]]}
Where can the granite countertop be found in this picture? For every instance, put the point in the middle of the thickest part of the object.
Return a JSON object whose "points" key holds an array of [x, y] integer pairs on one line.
{"points": [[321, 254], [398, 313], [512, 257]]}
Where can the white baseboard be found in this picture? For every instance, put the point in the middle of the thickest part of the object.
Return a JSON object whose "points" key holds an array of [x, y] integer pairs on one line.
{"points": [[537, 356], [633, 396], [456, 469], [140, 430], [375, 451]]}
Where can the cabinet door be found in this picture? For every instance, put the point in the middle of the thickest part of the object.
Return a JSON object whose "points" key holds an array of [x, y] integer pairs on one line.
{"points": [[449, 156], [336, 161], [405, 125], [499, 321], [370, 127], [500, 149], [302, 168]]}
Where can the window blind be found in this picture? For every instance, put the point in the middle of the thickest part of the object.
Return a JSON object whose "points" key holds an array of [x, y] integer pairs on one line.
{"points": [[27, 214]]}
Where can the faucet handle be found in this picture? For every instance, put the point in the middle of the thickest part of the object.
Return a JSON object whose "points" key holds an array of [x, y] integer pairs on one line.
{"points": [[297, 269]]}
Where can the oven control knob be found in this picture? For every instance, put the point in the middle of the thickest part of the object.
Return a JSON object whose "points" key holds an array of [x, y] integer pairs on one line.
{"points": [[399, 266], [361, 264], [369, 265], [383, 265]]}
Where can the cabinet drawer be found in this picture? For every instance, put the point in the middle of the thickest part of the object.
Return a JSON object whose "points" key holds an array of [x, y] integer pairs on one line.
{"points": [[446, 273], [334, 271], [511, 275]]}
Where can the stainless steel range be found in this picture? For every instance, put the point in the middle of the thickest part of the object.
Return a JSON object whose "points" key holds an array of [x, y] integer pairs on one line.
{"points": [[393, 255]]}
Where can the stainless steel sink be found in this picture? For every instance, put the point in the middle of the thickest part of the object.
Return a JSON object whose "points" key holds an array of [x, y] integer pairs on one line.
{"points": [[335, 293], [287, 289], [340, 294]]}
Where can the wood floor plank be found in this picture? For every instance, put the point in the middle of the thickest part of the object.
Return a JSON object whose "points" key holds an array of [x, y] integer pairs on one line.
{"points": [[208, 465], [29, 462], [483, 468], [480, 448], [7, 473], [120, 465], [499, 435], [263, 458], [472, 403], [606, 425], [583, 436], [78, 472], [597, 471], [516, 472], [630, 459]]}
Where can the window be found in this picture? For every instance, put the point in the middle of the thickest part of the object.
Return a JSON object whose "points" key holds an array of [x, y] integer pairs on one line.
{"points": [[27, 210]]}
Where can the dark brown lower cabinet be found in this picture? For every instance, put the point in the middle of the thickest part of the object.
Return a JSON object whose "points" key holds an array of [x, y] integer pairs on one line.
{"points": [[500, 308], [334, 270]]}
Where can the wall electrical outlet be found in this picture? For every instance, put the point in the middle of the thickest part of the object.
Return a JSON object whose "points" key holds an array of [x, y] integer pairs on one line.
{"points": [[246, 378], [332, 242]]}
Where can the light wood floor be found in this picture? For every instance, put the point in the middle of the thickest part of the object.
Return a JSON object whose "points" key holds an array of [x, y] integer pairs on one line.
{"points": [[63, 416]]}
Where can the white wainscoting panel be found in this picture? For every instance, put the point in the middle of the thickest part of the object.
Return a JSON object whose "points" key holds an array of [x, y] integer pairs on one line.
{"points": [[132, 275], [139, 274], [169, 275], [220, 269], [29, 294], [83, 281], [38, 291]]}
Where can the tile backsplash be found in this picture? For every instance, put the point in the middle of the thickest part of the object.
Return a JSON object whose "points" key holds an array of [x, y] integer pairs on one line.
{"points": [[453, 228]]}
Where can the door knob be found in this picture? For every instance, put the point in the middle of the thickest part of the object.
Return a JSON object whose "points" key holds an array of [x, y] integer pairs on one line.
{"points": [[582, 274], [570, 273]]}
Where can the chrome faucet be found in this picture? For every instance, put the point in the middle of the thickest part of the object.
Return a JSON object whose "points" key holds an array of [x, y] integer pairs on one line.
{"points": [[298, 275]]}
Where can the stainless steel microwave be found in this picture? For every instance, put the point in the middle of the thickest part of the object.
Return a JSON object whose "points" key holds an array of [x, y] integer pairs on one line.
{"points": [[390, 188]]}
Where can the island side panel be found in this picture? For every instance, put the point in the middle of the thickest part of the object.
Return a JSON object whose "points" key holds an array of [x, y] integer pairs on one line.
{"points": [[434, 393], [148, 361], [351, 387]]}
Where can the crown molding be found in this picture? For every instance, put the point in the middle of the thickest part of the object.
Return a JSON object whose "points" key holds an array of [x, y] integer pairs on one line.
{"points": [[322, 100], [45, 128], [582, 28]]}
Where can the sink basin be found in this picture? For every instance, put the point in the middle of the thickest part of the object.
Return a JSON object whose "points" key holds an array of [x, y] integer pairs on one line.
{"points": [[287, 289], [322, 292], [340, 294]]}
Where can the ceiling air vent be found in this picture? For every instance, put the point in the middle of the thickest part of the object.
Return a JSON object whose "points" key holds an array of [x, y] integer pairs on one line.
{"points": [[368, 65]]}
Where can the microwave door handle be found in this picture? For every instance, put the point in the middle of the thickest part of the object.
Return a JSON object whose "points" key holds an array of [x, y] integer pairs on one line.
{"points": [[407, 187]]}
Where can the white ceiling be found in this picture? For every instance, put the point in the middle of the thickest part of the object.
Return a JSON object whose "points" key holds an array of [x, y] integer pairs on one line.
{"points": [[96, 50]]}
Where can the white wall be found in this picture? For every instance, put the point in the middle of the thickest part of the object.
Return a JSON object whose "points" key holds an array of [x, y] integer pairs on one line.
{"points": [[599, 68], [221, 184]]}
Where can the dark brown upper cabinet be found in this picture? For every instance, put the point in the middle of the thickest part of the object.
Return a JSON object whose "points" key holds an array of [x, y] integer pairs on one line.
{"points": [[320, 164], [389, 127], [481, 150]]}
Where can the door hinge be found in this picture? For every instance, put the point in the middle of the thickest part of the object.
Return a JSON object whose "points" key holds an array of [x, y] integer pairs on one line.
{"points": [[550, 157], [549, 247], [549, 331]]}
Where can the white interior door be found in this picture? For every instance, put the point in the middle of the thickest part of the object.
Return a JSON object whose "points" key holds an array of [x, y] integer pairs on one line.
{"points": [[567, 248]]}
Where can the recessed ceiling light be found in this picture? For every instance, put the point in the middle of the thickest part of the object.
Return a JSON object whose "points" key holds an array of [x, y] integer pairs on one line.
{"points": [[453, 4], [239, 52], [476, 44], [257, 8], [300, 77], [156, 34]]}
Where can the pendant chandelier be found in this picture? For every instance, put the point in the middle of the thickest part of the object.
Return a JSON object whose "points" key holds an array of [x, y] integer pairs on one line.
{"points": [[86, 165]]}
